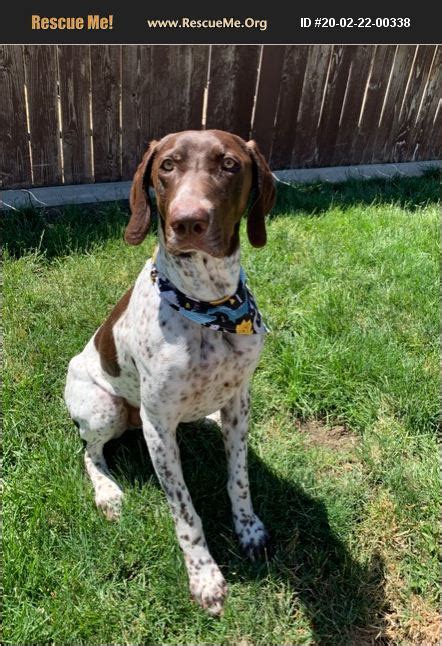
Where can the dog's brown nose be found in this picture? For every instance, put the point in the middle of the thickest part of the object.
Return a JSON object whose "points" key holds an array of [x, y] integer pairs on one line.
{"points": [[189, 225]]}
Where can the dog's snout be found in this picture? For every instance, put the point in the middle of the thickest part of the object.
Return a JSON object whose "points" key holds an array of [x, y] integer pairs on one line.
{"points": [[190, 224]]}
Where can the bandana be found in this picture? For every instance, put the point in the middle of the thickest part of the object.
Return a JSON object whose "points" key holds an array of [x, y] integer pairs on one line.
{"points": [[236, 314]]}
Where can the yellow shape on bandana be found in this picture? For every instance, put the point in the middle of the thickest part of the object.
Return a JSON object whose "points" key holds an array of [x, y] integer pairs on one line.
{"points": [[221, 300], [244, 328]]}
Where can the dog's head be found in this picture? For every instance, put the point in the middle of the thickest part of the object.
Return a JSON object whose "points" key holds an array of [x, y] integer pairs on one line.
{"points": [[204, 181]]}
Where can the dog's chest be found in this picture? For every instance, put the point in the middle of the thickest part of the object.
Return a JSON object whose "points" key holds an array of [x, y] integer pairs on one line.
{"points": [[219, 365], [189, 369], [205, 370], [175, 364]]}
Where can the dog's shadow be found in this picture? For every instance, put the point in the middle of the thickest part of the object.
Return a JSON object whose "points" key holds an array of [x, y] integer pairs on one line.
{"points": [[343, 599]]}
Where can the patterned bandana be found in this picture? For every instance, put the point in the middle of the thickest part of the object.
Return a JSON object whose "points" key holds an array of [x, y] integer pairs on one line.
{"points": [[237, 314]]}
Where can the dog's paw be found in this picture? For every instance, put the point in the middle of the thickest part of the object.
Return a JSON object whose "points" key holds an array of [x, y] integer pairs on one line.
{"points": [[110, 500], [208, 588], [254, 539]]}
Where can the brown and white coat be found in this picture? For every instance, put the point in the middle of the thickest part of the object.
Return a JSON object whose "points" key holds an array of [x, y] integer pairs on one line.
{"points": [[148, 365]]}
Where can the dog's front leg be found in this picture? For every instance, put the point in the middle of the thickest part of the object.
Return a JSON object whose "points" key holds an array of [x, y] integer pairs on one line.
{"points": [[251, 532], [207, 584]]}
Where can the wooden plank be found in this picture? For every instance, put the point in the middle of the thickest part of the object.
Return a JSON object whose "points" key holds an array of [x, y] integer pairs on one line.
{"points": [[358, 75], [292, 79], [414, 106], [74, 70], [15, 163], [162, 92], [197, 84], [434, 150], [382, 142], [41, 80], [106, 89], [233, 74], [178, 77], [399, 141], [263, 127], [305, 150], [362, 149], [428, 128], [333, 103], [134, 95]]}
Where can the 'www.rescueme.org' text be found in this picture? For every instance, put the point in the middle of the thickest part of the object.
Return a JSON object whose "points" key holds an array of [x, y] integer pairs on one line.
{"points": [[207, 23]]}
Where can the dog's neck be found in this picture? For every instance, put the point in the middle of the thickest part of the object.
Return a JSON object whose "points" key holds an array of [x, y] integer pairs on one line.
{"points": [[199, 275]]}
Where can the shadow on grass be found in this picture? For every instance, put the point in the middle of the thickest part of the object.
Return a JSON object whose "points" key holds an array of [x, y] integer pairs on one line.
{"points": [[318, 197], [58, 232], [343, 599]]}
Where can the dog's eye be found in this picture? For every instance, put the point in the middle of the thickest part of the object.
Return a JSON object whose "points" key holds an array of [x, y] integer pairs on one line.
{"points": [[229, 163], [167, 165]]}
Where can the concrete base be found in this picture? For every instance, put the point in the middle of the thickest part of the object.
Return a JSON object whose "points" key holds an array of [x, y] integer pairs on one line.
{"points": [[50, 196], [363, 171]]}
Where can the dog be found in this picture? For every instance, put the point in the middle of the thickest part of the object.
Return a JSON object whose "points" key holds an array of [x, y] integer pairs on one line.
{"points": [[184, 341]]}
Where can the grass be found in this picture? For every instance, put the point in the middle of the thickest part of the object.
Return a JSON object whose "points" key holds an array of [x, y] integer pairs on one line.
{"points": [[343, 449]]}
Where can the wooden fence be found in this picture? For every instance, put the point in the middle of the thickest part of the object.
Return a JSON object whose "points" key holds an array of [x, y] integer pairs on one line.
{"points": [[84, 113]]}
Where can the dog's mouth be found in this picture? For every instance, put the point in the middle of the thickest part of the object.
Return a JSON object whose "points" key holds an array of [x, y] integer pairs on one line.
{"points": [[186, 250], [212, 244]]}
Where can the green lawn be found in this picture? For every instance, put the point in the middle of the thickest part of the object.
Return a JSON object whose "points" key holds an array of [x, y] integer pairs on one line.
{"points": [[343, 448]]}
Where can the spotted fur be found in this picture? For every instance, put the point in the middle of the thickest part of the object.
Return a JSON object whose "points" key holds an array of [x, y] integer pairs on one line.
{"points": [[147, 363]]}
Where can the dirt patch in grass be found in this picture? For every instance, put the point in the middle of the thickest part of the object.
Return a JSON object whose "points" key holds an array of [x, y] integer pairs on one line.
{"points": [[336, 438], [423, 627], [408, 619]]}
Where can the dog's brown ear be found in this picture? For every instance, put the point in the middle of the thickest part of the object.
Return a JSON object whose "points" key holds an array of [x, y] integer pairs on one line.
{"points": [[140, 205], [263, 197]]}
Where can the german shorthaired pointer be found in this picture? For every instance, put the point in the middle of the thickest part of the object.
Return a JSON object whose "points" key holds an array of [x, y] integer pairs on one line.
{"points": [[183, 343]]}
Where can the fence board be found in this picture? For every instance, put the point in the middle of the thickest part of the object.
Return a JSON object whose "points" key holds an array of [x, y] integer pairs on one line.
{"points": [[434, 149], [178, 78], [390, 117], [401, 134], [162, 91], [134, 94], [106, 89], [333, 102], [267, 97], [305, 149], [197, 86], [362, 148], [292, 79], [233, 74], [15, 163], [426, 143], [74, 70], [361, 58], [41, 80]]}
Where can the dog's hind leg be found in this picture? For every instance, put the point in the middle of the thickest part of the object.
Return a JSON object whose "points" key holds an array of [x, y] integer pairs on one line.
{"points": [[99, 417], [108, 495]]}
